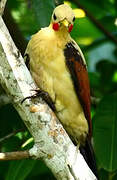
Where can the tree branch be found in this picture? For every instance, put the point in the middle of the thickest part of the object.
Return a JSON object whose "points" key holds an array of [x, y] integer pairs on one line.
{"points": [[52, 143], [18, 155]]}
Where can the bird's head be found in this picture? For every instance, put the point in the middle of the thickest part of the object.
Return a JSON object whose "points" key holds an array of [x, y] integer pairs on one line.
{"points": [[63, 18]]}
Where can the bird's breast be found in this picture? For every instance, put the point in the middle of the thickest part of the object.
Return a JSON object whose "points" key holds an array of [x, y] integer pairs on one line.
{"points": [[51, 74]]}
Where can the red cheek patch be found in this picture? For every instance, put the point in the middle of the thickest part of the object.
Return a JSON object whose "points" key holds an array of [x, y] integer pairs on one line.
{"points": [[70, 27], [55, 26]]}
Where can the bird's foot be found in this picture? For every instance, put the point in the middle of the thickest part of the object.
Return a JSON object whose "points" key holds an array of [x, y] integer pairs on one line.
{"points": [[45, 96]]}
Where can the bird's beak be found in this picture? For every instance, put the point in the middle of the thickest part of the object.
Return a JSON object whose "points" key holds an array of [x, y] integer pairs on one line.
{"points": [[65, 23]]}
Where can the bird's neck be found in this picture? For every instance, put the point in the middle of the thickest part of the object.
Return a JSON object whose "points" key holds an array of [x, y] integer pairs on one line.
{"points": [[62, 35]]}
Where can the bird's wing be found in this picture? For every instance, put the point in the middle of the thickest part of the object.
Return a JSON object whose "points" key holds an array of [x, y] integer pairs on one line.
{"points": [[77, 67]]}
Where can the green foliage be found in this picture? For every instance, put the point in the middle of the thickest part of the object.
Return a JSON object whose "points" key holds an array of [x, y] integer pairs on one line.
{"points": [[105, 130], [89, 34], [101, 57], [13, 123], [18, 170], [43, 11]]}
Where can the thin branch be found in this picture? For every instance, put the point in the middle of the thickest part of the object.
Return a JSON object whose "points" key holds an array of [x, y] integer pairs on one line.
{"points": [[96, 22], [2, 6], [18, 155], [10, 135]]}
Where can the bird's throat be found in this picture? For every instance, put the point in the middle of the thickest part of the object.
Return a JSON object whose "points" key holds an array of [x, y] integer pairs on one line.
{"points": [[62, 34]]}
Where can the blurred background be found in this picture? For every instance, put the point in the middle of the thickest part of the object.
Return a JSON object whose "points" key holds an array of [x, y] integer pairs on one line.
{"points": [[95, 30]]}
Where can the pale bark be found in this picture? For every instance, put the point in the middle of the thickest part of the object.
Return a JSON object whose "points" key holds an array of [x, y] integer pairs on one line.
{"points": [[2, 6]]}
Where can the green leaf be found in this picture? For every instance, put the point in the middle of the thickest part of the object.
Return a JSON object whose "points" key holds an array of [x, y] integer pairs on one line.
{"points": [[106, 69], [102, 51], [13, 5], [115, 176], [3, 169], [11, 144], [105, 133], [39, 170], [19, 170], [108, 22], [103, 175], [43, 11], [84, 31], [94, 79], [98, 8], [9, 120]]}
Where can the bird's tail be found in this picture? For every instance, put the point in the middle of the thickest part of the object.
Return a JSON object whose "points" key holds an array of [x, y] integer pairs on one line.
{"points": [[88, 154]]}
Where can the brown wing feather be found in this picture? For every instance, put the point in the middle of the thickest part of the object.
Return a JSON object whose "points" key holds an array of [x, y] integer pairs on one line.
{"points": [[79, 75]]}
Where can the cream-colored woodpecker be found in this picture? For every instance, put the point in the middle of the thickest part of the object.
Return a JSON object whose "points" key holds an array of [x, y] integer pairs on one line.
{"points": [[59, 68]]}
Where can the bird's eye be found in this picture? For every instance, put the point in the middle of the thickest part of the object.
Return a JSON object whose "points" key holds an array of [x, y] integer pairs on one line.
{"points": [[74, 18], [54, 17]]}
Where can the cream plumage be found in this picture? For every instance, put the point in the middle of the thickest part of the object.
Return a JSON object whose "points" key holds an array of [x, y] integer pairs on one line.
{"points": [[48, 68], [58, 67]]}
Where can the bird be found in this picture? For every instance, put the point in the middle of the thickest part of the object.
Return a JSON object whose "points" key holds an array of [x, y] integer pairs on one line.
{"points": [[59, 69]]}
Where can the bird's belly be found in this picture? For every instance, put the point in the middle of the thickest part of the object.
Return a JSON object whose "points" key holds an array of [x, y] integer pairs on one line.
{"points": [[69, 109], [56, 80]]}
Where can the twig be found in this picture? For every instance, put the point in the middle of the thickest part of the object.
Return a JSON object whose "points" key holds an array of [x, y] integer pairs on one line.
{"points": [[96, 22], [18, 155], [2, 6], [10, 135]]}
